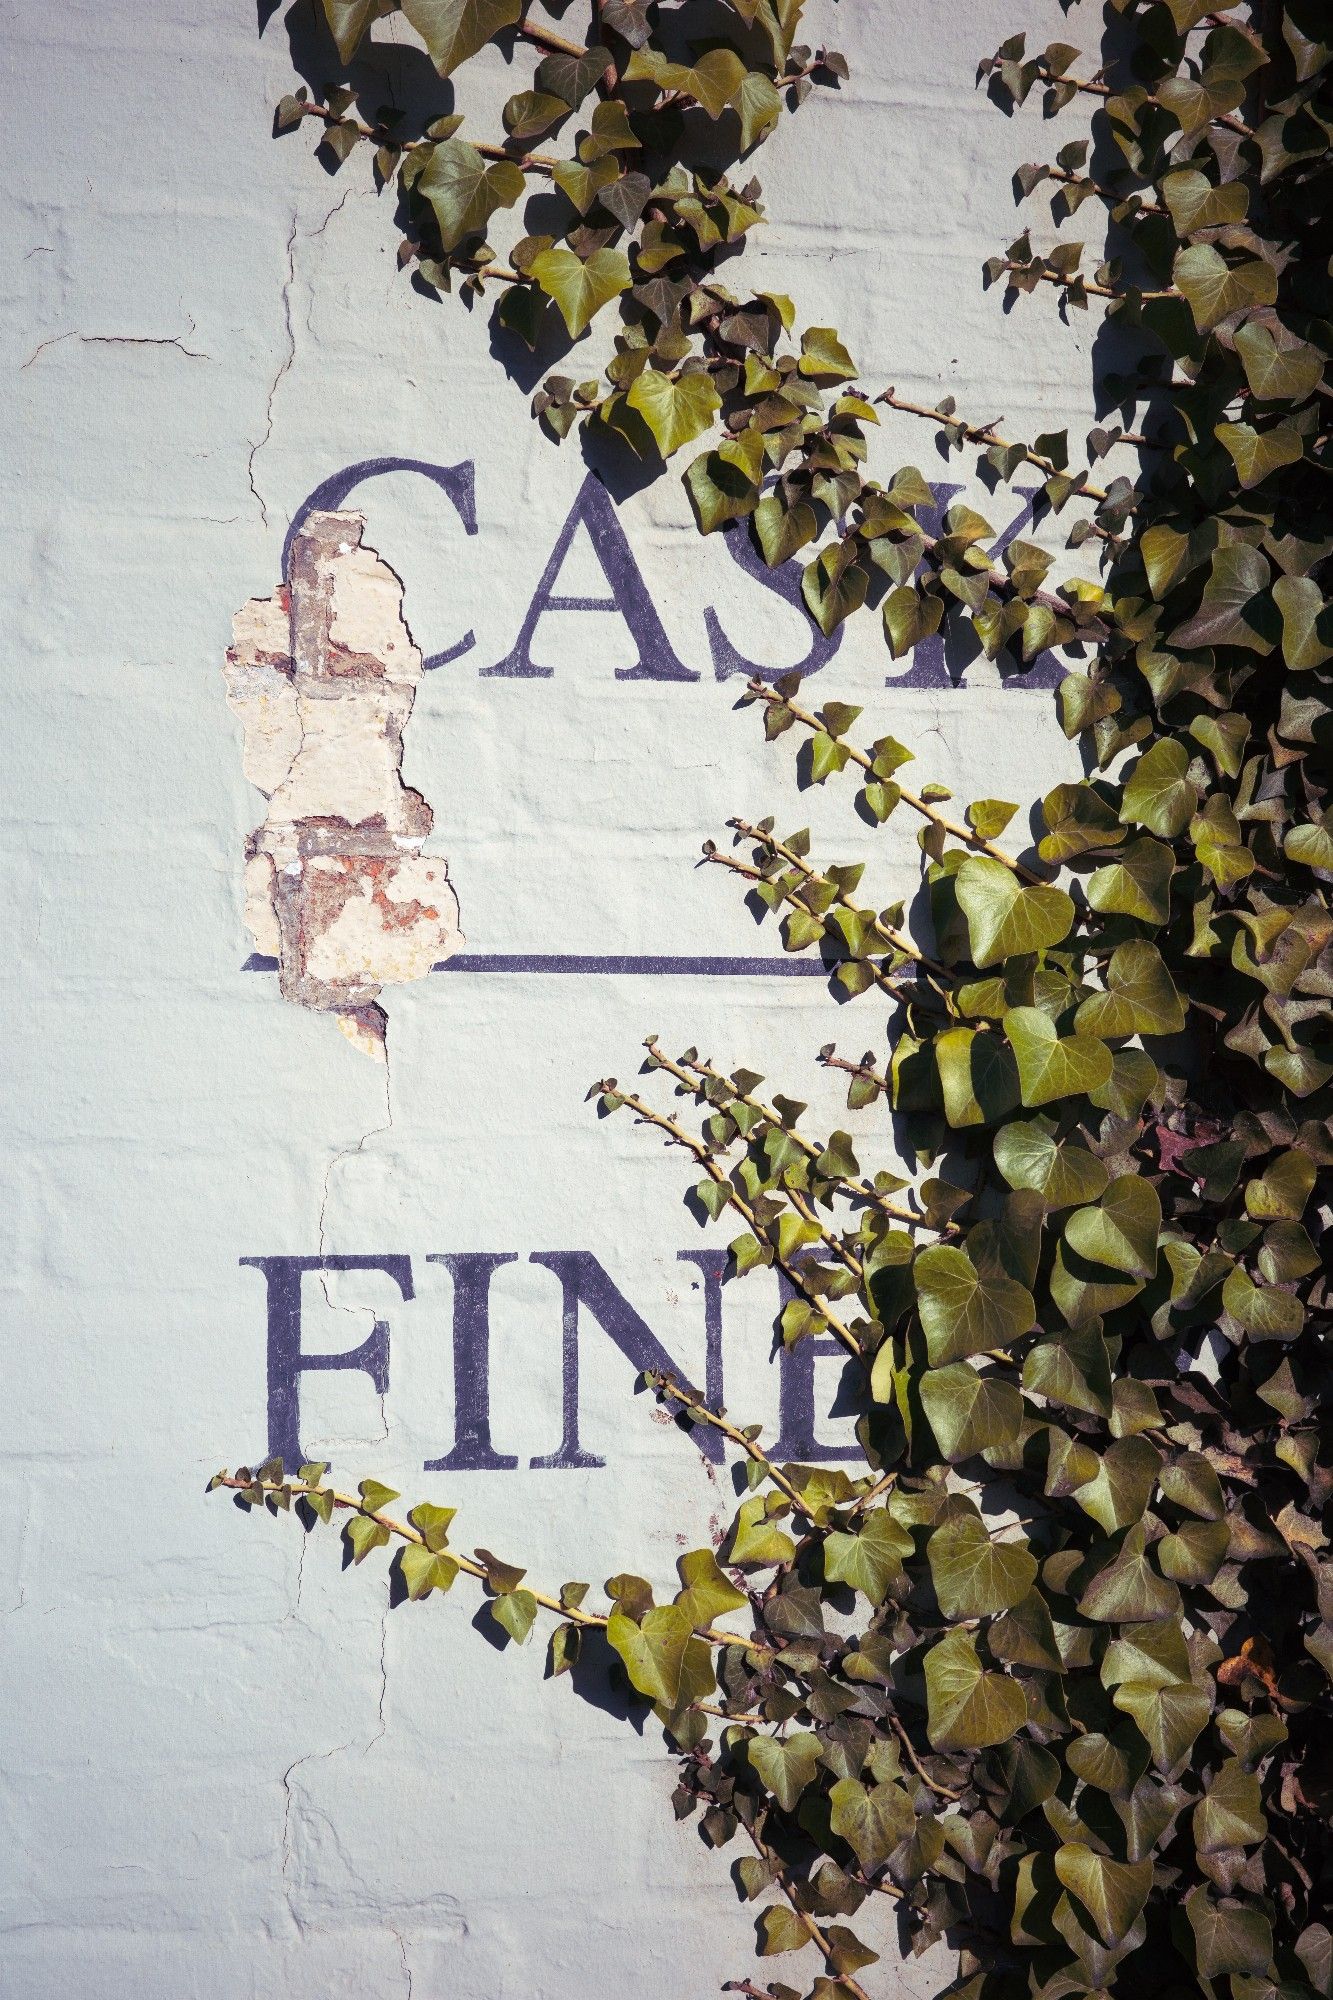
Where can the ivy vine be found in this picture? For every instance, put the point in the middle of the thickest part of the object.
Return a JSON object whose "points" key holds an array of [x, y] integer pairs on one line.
{"points": [[1072, 1710]]}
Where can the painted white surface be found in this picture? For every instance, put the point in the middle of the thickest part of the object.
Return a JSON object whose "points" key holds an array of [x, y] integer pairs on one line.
{"points": [[226, 1769]]}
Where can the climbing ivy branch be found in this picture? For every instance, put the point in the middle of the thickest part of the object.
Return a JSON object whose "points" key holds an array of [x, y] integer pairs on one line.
{"points": [[1052, 1669]]}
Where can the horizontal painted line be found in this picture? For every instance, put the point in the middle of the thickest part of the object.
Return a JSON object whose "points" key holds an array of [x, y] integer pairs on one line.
{"points": [[593, 965]]}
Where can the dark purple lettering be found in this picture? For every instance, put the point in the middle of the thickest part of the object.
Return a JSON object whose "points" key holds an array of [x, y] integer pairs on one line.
{"points": [[584, 1283], [287, 1362], [472, 1450], [783, 581], [594, 511]]}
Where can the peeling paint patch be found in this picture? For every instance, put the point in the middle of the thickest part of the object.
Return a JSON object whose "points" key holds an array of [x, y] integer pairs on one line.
{"points": [[323, 676]]}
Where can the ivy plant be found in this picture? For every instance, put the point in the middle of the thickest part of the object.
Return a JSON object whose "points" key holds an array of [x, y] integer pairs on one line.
{"points": [[1051, 1668]]}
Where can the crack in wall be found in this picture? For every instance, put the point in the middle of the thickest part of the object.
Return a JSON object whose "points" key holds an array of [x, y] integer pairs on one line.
{"points": [[176, 340], [289, 328], [323, 676], [287, 361]]}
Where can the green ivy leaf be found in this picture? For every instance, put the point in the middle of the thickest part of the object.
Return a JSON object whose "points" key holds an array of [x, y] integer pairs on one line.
{"points": [[581, 287], [1216, 289], [424, 1571], [1136, 884], [870, 1559], [1112, 1892], [1158, 794], [780, 1929], [785, 1765], [465, 190], [871, 1821], [653, 1651], [348, 21], [969, 1412], [1256, 454], [675, 409], [1286, 374], [1307, 622], [1141, 997], [1234, 611], [453, 30], [1027, 1154], [1049, 1066], [755, 1541], [705, 1593], [964, 1312], [968, 1707], [824, 356], [976, 1577], [1004, 919], [1122, 1230], [515, 1611]]}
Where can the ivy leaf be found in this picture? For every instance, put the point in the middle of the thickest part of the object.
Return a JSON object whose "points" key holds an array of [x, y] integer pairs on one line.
{"points": [[1231, 613], [453, 30], [1128, 1590], [1112, 1892], [871, 1559], [348, 21], [833, 588], [1265, 1312], [515, 1610], [1256, 454], [1237, 1938], [1169, 1716], [532, 112], [705, 1593], [1122, 1230], [1216, 289], [424, 1572], [758, 106], [910, 616], [653, 1651], [581, 287], [1158, 795], [1197, 203], [1050, 1067], [1230, 1814], [1004, 919], [964, 1313], [1307, 622], [713, 82], [824, 356], [975, 1577], [780, 1929], [786, 1765], [1280, 1194], [465, 190], [572, 77], [582, 184], [674, 409], [1119, 1491], [969, 1412], [1136, 884], [1028, 1156], [1277, 374], [755, 1541], [872, 1822], [783, 530], [967, 1707], [1071, 1367], [363, 1535], [432, 1524], [1140, 997]]}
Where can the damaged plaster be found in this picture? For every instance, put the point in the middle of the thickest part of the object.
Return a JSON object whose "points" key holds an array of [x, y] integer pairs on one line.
{"points": [[323, 676]]}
